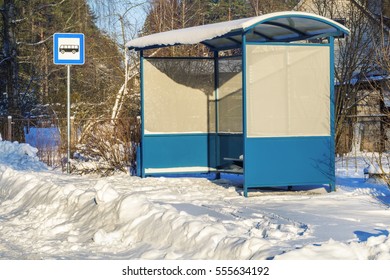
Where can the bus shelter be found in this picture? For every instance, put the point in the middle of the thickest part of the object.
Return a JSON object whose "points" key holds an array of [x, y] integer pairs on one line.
{"points": [[267, 113]]}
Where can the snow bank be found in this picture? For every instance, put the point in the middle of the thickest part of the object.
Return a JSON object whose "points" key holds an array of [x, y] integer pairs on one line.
{"points": [[59, 216], [100, 218], [120, 217], [172, 234], [48, 214], [375, 248], [20, 156]]}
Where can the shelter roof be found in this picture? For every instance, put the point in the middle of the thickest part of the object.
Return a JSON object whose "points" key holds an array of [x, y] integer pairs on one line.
{"points": [[274, 27]]}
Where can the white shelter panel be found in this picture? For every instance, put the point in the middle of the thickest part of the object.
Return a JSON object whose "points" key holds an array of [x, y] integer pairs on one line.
{"points": [[230, 95], [177, 96], [288, 90]]}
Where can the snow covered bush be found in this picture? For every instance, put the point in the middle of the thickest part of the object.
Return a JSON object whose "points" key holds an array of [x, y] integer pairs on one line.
{"points": [[107, 147]]}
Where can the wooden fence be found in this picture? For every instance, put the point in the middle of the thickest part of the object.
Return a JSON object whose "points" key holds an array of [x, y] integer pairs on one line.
{"points": [[96, 137]]}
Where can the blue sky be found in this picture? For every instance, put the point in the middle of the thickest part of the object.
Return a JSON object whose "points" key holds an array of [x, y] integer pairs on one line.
{"points": [[109, 13]]}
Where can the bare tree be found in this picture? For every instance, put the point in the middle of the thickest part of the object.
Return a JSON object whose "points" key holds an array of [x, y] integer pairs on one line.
{"points": [[111, 134], [354, 59], [118, 19], [263, 7], [379, 161]]}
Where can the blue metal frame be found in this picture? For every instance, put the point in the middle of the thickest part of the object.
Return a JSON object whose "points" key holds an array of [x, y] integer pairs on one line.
{"points": [[289, 44], [142, 87], [244, 125], [216, 88], [298, 16], [332, 115]]}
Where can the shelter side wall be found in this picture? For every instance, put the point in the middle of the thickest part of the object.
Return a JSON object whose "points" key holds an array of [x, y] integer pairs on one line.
{"points": [[288, 137], [179, 108]]}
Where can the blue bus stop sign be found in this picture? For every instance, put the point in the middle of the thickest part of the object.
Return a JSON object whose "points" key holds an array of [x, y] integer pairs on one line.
{"points": [[68, 49]]}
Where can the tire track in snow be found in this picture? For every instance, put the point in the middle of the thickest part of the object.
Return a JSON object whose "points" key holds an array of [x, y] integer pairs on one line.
{"points": [[268, 221]]}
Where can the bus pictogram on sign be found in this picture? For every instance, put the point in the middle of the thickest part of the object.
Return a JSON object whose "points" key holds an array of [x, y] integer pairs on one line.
{"points": [[69, 48]]}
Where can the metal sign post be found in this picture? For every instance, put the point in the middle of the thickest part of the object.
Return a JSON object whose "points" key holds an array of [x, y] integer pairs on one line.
{"points": [[68, 121], [68, 49]]}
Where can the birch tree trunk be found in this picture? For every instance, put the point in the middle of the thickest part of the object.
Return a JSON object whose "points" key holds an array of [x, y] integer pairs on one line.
{"points": [[123, 90]]}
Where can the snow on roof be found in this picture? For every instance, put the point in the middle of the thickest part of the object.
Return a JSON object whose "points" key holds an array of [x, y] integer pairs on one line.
{"points": [[274, 27]]}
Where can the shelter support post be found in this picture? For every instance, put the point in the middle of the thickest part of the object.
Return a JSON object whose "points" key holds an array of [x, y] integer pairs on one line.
{"points": [[142, 89], [332, 117], [244, 126], [216, 87]]}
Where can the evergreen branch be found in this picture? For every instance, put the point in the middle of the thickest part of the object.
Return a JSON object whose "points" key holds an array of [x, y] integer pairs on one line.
{"points": [[5, 59], [42, 41], [39, 8]]}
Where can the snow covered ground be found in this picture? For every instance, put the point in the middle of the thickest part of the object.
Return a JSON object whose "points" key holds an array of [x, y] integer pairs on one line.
{"points": [[45, 214]]}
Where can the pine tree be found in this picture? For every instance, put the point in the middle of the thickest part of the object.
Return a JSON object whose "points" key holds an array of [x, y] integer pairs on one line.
{"points": [[26, 60], [10, 62]]}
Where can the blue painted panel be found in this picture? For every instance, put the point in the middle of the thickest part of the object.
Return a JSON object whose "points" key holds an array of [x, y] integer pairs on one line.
{"points": [[288, 161], [213, 150], [138, 161], [175, 150]]}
